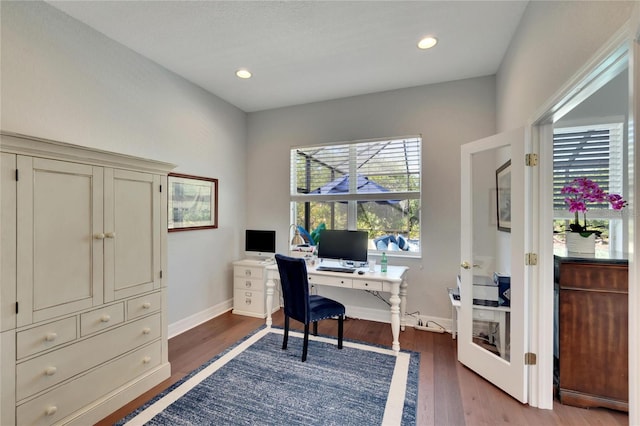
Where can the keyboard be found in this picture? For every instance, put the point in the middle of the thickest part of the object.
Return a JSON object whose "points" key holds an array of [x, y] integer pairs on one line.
{"points": [[336, 269]]}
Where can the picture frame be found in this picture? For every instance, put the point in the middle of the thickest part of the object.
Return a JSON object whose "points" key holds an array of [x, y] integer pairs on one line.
{"points": [[192, 202], [503, 197]]}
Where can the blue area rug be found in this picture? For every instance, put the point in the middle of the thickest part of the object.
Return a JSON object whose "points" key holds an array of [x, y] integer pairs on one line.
{"points": [[257, 383]]}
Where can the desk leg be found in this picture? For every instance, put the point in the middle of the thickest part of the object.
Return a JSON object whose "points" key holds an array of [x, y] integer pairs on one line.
{"points": [[403, 303], [395, 316], [270, 286]]}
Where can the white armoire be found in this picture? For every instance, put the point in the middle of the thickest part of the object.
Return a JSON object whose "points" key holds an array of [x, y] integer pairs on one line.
{"points": [[83, 275]]}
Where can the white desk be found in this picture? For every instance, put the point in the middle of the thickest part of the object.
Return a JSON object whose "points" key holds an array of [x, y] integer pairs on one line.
{"points": [[394, 281]]}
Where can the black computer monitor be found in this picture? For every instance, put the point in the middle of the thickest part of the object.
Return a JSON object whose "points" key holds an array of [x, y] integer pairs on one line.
{"points": [[345, 245], [260, 243]]}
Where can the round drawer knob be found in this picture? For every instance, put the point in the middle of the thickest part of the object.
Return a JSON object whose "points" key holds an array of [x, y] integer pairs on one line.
{"points": [[146, 360], [247, 301], [51, 410], [146, 305], [50, 337], [99, 236], [110, 234], [50, 371], [146, 330], [105, 318], [247, 284], [247, 273]]}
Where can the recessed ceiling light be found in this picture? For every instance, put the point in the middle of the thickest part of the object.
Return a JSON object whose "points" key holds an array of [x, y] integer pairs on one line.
{"points": [[427, 42], [242, 73]]}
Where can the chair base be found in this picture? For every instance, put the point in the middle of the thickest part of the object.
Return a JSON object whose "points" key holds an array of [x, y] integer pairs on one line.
{"points": [[305, 343]]}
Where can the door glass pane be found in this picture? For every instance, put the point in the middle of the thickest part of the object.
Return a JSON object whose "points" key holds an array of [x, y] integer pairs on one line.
{"points": [[491, 250]]}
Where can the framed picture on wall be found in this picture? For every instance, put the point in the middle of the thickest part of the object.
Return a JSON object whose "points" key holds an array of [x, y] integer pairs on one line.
{"points": [[503, 189], [192, 203]]}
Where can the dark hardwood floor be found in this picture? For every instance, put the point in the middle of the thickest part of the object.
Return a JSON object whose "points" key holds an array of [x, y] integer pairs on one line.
{"points": [[449, 393]]}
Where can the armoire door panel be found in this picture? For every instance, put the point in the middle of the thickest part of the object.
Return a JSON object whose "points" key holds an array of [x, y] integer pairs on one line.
{"points": [[8, 242], [64, 273], [132, 253]]}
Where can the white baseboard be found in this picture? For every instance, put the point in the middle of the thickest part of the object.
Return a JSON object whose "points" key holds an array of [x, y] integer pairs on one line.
{"points": [[198, 318], [356, 312], [378, 315]]}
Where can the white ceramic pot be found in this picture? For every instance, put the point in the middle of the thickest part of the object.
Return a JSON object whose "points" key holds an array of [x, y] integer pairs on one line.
{"points": [[576, 243]]}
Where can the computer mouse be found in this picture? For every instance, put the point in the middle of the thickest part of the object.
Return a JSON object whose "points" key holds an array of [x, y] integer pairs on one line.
{"points": [[360, 272]]}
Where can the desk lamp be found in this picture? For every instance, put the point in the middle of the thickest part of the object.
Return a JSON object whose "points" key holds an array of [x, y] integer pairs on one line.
{"points": [[297, 239]]}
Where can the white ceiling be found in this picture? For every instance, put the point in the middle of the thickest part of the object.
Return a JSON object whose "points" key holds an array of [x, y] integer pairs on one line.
{"points": [[308, 51]]}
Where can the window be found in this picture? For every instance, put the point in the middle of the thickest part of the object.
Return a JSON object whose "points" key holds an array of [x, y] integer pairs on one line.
{"points": [[595, 152], [372, 186]]}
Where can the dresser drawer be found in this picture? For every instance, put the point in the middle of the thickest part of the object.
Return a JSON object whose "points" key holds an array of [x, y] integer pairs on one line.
{"points": [[335, 281], [248, 272], [143, 305], [47, 336], [44, 371], [367, 285], [248, 283], [76, 394], [100, 319]]}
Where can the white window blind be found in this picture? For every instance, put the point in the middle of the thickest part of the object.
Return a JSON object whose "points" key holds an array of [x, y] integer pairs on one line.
{"points": [[594, 152], [383, 170]]}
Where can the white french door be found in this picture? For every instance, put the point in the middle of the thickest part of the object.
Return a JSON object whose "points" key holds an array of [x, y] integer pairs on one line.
{"points": [[492, 332]]}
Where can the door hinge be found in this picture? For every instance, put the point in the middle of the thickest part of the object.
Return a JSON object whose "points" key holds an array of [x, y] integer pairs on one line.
{"points": [[160, 273], [16, 307], [530, 259], [530, 358], [160, 188], [17, 175], [531, 160]]}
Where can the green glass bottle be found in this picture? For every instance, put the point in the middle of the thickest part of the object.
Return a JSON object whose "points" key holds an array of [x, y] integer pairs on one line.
{"points": [[383, 263]]}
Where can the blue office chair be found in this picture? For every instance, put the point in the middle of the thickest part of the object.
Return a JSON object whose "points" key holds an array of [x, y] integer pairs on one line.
{"points": [[300, 305]]}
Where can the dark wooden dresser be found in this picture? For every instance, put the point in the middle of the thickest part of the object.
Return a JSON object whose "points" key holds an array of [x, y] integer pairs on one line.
{"points": [[593, 332]]}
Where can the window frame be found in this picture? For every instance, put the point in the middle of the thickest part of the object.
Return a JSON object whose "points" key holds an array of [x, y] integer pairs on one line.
{"points": [[352, 197]]}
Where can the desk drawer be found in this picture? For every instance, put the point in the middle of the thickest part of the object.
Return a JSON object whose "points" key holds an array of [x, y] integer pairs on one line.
{"points": [[242, 283], [331, 280], [249, 301], [367, 285], [248, 271]]}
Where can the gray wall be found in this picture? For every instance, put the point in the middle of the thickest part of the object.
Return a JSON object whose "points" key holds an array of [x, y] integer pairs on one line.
{"points": [[446, 115], [64, 81], [554, 40]]}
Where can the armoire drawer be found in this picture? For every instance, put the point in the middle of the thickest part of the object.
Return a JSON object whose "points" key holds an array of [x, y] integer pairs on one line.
{"points": [[101, 319], [39, 373], [46, 336], [144, 305], [54, 406]]}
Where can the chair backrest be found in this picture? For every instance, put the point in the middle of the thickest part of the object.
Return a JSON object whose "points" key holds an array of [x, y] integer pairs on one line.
{"points": [[295, 287]]}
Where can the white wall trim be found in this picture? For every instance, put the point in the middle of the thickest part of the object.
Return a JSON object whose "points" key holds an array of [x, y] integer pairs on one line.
{"points": [[604, 64]]}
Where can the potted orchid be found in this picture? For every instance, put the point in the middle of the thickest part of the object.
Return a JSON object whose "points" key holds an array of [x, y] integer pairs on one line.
{"points": [[579, 193]]}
